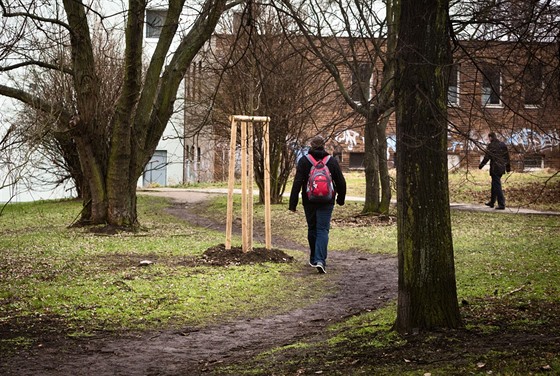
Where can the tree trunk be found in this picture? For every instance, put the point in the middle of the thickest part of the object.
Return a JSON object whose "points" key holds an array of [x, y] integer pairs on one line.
{"points": [[112, 162], [371, 163], [427, 296], [95, 178], [67, 149], [384, 177]]}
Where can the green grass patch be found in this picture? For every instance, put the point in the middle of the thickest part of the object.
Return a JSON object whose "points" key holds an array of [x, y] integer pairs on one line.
{"points": [[85, 282]]}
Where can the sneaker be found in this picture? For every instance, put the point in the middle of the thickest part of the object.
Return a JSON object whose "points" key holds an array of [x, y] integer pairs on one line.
{"points": [[312, 264], [321, 268], [501, 208], [491, 204]]}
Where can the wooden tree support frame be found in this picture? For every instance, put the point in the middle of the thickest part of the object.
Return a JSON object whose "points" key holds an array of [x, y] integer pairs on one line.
{"points": [[247, 179]]}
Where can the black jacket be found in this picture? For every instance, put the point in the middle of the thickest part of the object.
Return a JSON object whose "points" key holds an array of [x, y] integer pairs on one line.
{"points": [[498, 155], [302, 174]]}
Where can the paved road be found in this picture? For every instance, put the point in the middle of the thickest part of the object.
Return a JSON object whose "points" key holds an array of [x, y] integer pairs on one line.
{"points": [[182, 194]]}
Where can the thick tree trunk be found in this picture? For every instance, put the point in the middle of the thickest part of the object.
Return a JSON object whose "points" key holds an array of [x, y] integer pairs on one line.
{"points": [[94, 176], [121, 210], [112, 163], [427, 291]]}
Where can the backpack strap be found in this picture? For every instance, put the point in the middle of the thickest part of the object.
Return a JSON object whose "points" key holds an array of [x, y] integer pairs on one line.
{"points": [[314, 162], [311, 159]]}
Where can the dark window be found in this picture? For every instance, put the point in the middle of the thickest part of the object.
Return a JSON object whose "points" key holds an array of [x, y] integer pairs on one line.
{"points": [[453, 90], [154, 22], [491, 85], [356, 160], [361, 82], [533, 161], [533, 85], [193, 81]]}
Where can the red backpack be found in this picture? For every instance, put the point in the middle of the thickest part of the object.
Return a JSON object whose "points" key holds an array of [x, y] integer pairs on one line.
{"points": [[319, 184]]}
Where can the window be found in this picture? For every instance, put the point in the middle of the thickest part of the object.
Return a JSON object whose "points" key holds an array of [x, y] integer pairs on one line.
{"points": [[453, 89], [356, 160], [361, 82], [533, 85], [491, 85], [193, 81], [154, 22], [533, 161]]}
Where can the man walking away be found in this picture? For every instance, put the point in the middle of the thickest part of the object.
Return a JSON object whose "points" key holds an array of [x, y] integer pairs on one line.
{"points": [[317, 212], [498, 155]]}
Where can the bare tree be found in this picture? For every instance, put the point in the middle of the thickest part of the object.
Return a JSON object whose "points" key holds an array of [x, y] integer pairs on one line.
{"points": [[356, 46], [112, 156], [13, 157], [260, 70], [47, 133], [12, 160]]}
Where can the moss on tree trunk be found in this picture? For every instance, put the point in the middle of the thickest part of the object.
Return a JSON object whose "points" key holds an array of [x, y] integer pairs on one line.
{"points": [[427, 289]]}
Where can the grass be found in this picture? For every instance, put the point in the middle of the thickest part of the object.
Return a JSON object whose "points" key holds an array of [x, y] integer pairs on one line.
{"points": [[508, 280], [507, 269], [92, 282]]}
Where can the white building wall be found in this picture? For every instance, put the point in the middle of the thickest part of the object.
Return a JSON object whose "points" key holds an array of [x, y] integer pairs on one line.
{"points": [[171, 141]]}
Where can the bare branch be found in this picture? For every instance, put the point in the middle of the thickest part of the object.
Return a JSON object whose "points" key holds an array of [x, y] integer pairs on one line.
{"points": [[36, 63], [54, 21], [32, 100]]}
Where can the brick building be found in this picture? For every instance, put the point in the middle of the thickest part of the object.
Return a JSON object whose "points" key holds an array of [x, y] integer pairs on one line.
{"points": [[501, 87], [508, 88]]}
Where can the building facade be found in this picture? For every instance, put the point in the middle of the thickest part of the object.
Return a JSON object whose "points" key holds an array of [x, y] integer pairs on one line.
{"points": [[493, 87]]}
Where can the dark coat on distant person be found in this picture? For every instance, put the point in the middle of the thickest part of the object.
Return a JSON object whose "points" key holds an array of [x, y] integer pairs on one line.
{"points": [[498, 155]]}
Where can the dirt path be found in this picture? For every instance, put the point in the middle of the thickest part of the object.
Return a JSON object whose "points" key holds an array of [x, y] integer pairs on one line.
{"points": [[363, 282]]}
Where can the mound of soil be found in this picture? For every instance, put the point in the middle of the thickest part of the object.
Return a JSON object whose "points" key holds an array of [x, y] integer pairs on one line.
{"points": [[219, 256]]}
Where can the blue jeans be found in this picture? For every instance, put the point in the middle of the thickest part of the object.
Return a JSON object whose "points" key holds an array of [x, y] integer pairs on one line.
{"points": [[318, 225], [496, 191]]}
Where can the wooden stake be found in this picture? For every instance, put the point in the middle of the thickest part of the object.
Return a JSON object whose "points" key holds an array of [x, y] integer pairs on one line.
{"points": [[247, 180], [244, 234], [231, 182], [267, 219], [251, 175]]}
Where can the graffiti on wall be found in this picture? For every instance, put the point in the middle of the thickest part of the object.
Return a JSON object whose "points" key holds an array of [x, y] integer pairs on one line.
{"points": [[526, 140], [350, 138], [531, 141], [474, 142]]}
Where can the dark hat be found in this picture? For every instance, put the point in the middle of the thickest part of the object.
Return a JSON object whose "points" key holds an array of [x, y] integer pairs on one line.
{"points": [[317, 142]]}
